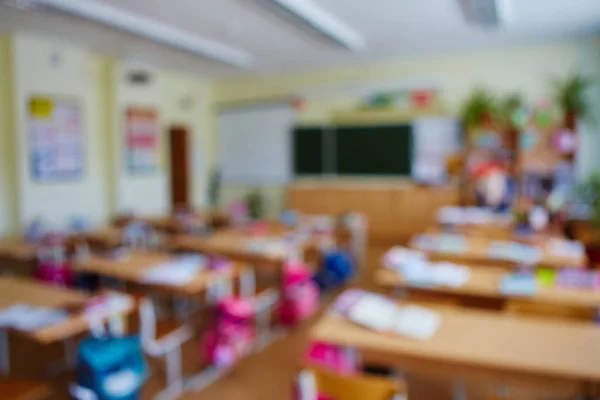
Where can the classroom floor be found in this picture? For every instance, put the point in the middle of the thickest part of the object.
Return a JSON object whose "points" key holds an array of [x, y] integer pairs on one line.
{"points": [[268, 375]]}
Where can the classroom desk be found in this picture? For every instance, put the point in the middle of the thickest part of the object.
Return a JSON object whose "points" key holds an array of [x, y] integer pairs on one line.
{"points": [[483, 283], [172, 224], [17, 256], [131, 268], [233, 244], [106, 237], [17, 249], [480, 345], [477, 252], [25, 291]]}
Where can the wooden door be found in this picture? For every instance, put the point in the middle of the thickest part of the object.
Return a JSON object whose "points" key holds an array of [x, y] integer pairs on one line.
{"points": [[180, 168]]}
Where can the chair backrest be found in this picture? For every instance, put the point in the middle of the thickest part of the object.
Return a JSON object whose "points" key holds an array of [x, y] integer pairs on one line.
{"points": [[355, 387]]}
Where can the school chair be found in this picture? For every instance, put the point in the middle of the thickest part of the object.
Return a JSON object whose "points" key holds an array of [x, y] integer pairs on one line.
{"points": [[19, 389], [263, 303], [165, 344], [520, 307], [352, 387]]}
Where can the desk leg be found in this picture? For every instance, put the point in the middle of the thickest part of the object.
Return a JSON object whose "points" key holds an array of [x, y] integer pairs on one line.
{"points": [[4, 352], [459, 390]]}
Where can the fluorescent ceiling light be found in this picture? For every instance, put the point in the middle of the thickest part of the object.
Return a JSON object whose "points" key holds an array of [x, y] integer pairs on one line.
{"points": [[150, 29], [311, 14]]}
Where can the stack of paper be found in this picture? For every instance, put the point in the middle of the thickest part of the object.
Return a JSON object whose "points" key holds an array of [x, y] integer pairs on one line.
{"points": [[178, 272], [566, 248], [435, 274], [452, 243], [520, 253], [416, 322], [374, 312], [273, 246], [518, 284], [27, 318], [397, 256], [383, 315]]}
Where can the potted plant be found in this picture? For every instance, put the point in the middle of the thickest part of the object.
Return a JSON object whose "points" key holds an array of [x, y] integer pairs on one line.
{"points": [[480, 108], [569, 94], [589, 233], [255, 202]]}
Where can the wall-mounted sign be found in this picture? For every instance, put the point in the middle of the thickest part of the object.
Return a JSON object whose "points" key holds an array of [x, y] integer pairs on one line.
{"points": [[141, 139], [55, 138]]}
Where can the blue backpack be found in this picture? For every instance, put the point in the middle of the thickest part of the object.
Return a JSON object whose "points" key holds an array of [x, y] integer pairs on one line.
{"points": [[337, 268], [109, 369]]}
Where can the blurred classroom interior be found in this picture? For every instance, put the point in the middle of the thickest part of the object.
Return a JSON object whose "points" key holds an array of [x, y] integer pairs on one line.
{"points": [[299, 199]]}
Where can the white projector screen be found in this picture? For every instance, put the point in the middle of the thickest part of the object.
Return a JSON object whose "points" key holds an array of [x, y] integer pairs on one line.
{"points": [[254, 144]]}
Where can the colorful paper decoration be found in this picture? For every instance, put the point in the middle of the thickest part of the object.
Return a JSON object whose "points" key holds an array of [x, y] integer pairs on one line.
{"points": [[565, 142], [56, 138], [542, 117], [528, 139], [422, 98], [141, 139], [520, 117]]}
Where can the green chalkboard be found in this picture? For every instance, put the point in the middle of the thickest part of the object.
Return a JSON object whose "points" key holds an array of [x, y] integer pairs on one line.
{"points": [[307, 142], [374, 150]]}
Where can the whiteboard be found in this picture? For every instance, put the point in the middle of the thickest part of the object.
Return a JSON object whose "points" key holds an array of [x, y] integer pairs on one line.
{"points": [[254, 144], [434, 139]]}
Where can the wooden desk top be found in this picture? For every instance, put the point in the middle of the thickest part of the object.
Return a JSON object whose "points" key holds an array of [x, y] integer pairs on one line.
{"points": [[131, 269], [17, 249], [483, 340], [106, 237], [485, 282], [170, 223], [233, 243], [24, 291], [477, 252]]}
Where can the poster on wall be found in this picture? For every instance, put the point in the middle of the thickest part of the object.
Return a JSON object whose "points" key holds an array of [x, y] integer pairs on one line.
{"points": [[56, 138], [141, 139]]}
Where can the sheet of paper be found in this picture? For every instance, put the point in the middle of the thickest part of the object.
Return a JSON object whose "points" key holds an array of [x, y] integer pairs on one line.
{"points": [[26, 318], [374, 312], [177, 272], [398, 256], [416, 322], [518, 284], [566, 248]]}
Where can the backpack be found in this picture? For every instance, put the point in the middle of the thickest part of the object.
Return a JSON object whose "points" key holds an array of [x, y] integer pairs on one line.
{"points": [[300, 294], [337, 268], [53, 265], [232, 334], [109, 369]]}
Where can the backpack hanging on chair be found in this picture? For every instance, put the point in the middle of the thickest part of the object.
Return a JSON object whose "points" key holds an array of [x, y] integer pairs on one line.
{"points": [[53, 264], [337, 268], [300, 293], [232, 333]]}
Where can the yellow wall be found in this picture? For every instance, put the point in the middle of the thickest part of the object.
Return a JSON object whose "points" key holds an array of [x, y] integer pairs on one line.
{"points": [[521, 68], [8, 173], [28, 66]]}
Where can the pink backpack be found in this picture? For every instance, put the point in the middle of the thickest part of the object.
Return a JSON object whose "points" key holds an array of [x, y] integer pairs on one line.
{"points": [[330, 357], [232, 334], [300, 297], [53, 265]]}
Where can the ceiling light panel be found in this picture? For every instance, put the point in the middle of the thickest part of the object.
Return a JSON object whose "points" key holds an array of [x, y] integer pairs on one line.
{"points": [[150, 29], [315, 17]]}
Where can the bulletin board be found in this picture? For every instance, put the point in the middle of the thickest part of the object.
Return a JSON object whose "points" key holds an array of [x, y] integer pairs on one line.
{"points": [[56, 138], [141, 140]]}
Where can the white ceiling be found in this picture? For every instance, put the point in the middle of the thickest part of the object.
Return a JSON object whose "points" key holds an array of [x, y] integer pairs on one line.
{"points": [[392, 28]]}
